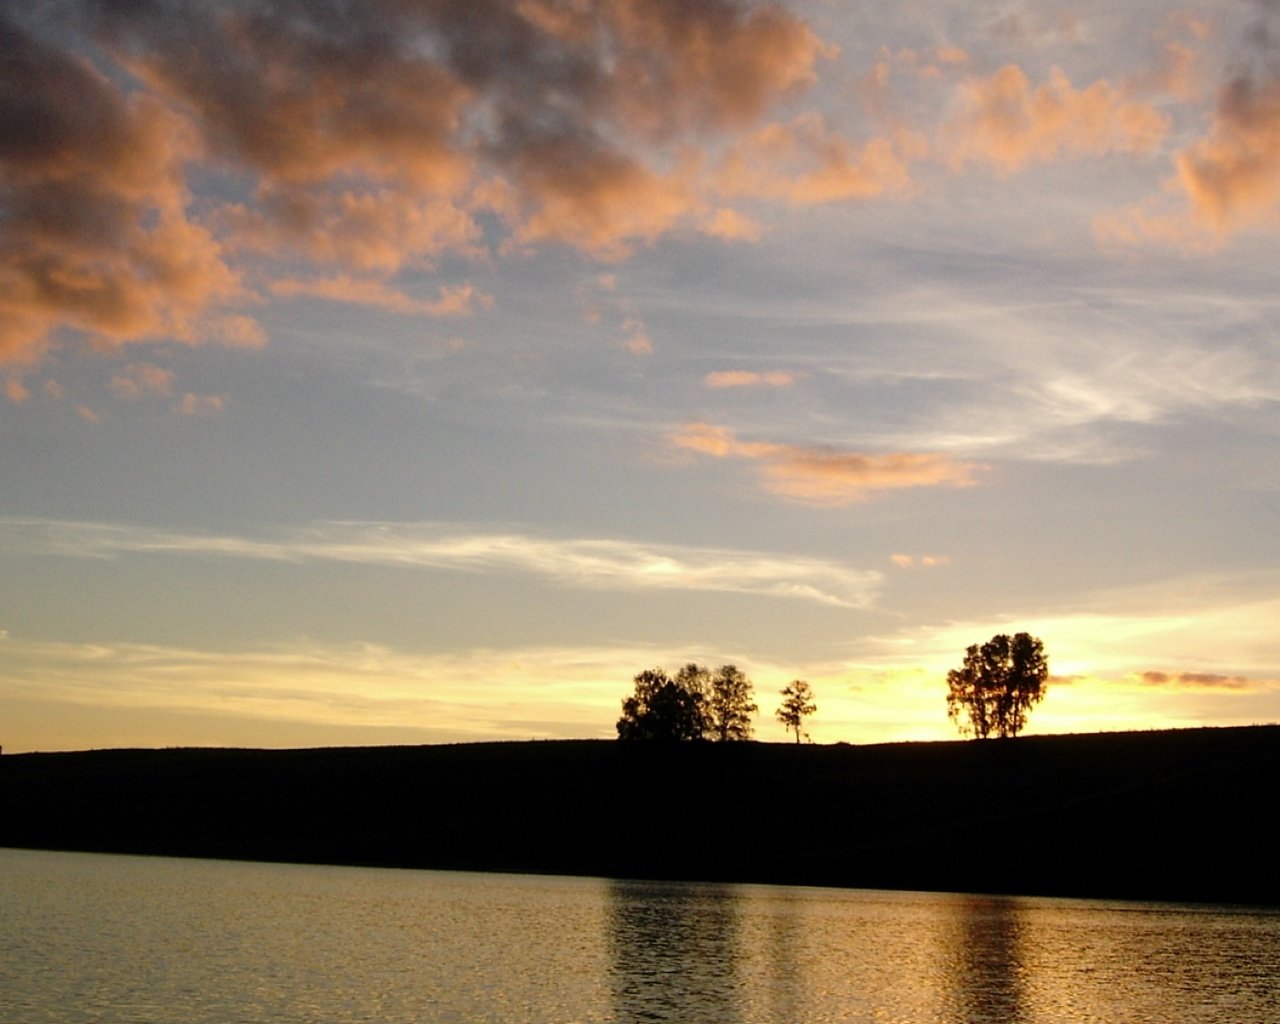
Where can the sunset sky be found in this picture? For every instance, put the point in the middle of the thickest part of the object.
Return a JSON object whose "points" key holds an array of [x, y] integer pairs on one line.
{"points": [[421, 370]]}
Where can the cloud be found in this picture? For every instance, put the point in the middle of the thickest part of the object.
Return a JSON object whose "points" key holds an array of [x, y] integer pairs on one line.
{"points": [[1195, 680], [368, 230], [370, 137], [455, 300], [317, 693], [919, 561], [365, 690], [1232, 177], [598, 299], [1007, 123], [97, 235], [140, 379], [201, 405], [826, 476], [731, 226], [609, 564], [721, 379], [15, 390], [806, 162]]}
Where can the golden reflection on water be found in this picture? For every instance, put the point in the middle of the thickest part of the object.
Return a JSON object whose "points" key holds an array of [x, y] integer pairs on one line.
{"points": [[90, 939]]}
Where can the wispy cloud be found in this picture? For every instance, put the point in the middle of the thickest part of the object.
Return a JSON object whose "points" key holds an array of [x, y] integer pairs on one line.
{"points": [[363, 689], [455, 300], [141, 379], [200, 405], [721, 379], [824, 475], [312, 692], [903, 561], [610, 564], [1195, 680], [1206, 630]]}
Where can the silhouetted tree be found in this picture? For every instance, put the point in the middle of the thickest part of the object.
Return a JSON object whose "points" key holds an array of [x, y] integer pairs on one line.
{"points": [[998, 684], [797, 705], [663, 708], [729, 704]]}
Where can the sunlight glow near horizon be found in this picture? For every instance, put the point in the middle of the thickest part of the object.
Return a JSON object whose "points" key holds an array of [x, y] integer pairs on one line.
{"points": [[348, 397]]}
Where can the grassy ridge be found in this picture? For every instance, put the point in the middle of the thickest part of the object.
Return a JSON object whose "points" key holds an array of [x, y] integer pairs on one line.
{"points": [[1161, 815]]}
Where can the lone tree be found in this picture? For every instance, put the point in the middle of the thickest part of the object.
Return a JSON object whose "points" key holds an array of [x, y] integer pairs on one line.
{"points": [[998, 684], [797, 705], [729, 704]]}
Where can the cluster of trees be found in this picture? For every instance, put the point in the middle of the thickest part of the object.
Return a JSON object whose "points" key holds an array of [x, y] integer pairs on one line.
{"points": [[995, 689], [990, 694], [697, 703]]}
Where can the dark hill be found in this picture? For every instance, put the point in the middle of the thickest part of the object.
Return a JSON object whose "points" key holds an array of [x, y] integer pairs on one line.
{"points": [[1182, 815]]}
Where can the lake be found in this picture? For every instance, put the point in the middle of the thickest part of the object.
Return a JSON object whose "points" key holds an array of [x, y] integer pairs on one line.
{"points": [[103, 938]]}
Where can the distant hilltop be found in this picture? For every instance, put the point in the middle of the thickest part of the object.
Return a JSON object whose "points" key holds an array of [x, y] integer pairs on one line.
{"points": [[1173, 815]]}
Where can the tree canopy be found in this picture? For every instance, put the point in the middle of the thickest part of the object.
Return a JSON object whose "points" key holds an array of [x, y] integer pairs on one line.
{"points": [[998, 684], [693, 704], [797, 705], [729, 704]]}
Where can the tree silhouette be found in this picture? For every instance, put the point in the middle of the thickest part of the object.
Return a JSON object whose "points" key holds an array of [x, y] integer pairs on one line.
{"points": [[998, 684], [663, 708], [797, 705], [693, 704], [729, 704]]}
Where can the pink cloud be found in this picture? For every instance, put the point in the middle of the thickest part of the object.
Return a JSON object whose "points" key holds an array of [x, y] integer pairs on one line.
{"points": [[1007, 122], [1232, 177], [822, 475], [721, 379]]}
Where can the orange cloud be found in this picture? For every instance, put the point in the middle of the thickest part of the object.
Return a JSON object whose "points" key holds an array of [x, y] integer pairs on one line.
{"points": [[1008, 123], [370, 142], [749, 379], [1233, 177], [805, 162], [375, 230], [597, 200], [826, 476], [731, 226], [456, 300], [97, 237], [294, 100], [16, 391], [712, 63]]}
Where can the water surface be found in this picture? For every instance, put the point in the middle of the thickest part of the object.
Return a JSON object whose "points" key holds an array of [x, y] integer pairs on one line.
{"points": [[130, 939]]}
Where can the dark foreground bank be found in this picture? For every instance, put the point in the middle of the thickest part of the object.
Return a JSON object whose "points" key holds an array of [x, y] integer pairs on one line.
{"points": [[1182, 815]]}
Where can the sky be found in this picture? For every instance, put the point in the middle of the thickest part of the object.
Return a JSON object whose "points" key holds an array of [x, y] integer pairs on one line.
{"points": [[408, 371]]}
